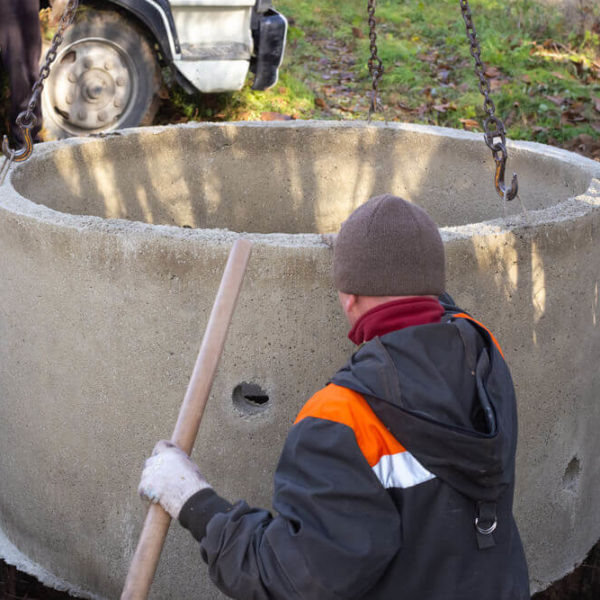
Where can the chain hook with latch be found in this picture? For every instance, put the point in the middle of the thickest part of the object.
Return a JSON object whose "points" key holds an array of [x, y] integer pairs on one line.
{"points": [[25, 151], [27, 119], [503, 192], [500, 155]]}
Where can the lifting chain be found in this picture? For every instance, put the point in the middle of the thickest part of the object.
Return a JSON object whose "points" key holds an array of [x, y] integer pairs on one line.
{"points": [[27, 119], [492, 126], [374, 63]]}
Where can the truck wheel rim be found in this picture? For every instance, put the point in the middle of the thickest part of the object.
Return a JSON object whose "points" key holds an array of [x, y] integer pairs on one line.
{"points": [[92, 86]]}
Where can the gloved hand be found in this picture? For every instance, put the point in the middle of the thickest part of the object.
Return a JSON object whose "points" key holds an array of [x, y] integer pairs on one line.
{"points": [[170, 478]]}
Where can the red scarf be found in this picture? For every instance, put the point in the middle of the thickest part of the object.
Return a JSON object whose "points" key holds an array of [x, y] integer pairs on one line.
{"points": [[397, 314]]}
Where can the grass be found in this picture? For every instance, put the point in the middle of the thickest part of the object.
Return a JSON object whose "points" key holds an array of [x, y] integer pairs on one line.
{"points": [[289, 97], [544, 70]]}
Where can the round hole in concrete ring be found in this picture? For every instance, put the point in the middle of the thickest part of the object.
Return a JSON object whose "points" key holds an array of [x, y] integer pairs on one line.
{"points": [[572, 474], [250, 398]]}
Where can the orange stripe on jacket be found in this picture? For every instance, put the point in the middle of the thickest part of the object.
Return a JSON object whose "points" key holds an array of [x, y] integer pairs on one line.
{"points": [[465, 316], [341, 405]]}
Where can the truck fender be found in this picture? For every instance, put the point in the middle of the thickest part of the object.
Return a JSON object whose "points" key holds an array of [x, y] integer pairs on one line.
{"points": [[157, 17]]}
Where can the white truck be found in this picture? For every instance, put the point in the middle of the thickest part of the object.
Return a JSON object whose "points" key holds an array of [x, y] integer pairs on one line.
{"points": [[111, 63]]}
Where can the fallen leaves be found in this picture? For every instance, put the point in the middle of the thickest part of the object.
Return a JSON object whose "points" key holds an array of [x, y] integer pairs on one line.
{"points": [[550, 99], [492, 72], [275, 116], [537, 129], [337, 93], [559, 75], [574, 114], [445, 107], [471, 124], [586, 70], [444, 75], [557, 100], [496, 84], [585, 144]]}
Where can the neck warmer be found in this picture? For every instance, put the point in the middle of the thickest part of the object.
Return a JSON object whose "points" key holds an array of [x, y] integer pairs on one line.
{"points": [[394, 315]]}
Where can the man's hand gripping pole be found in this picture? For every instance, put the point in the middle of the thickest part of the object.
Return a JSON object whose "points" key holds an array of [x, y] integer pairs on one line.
{"points": [[147, 554]]}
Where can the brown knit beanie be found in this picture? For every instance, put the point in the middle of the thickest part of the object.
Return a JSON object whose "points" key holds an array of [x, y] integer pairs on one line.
{"points": [[389, 247]]}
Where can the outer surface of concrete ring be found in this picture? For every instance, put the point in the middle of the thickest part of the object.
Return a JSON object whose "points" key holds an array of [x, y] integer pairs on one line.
{"points": [[111, 251]]}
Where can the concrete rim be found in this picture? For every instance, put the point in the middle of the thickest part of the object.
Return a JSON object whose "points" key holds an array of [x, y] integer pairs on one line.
{"points": [[573, 207]]}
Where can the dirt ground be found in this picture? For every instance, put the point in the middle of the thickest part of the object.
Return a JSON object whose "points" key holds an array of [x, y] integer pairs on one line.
{"points": [[582, 584]]}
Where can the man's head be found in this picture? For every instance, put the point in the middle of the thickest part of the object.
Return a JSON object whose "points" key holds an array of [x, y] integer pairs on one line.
{"points": [[387, 248]]}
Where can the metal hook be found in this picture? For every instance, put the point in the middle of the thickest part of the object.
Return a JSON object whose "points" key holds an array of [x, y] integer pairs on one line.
{"points": [[499, 180], [23, 153]]}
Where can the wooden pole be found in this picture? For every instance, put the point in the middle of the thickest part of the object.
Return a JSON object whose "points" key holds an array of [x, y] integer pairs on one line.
{"points": [[147, 554]]}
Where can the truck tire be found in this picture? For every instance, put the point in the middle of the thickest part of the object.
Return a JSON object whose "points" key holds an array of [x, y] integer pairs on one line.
{"points": [[105, 77]]}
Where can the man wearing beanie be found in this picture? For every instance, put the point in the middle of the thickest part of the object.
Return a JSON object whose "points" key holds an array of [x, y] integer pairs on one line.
{"points": [[396, 480]]}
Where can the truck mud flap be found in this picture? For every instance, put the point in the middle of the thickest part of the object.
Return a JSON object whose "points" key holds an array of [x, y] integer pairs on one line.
{"points": [[269, 41]]}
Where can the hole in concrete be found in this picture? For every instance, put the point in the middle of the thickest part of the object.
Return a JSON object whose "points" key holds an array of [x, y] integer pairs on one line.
{"points": [[250, 398], [572, 473]]}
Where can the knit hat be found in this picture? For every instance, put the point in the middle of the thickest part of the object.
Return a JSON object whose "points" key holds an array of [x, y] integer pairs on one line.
{"points": [[389, 247]]}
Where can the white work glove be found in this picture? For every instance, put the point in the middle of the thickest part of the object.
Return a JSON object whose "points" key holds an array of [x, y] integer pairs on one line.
{"points": [[170, 478]]}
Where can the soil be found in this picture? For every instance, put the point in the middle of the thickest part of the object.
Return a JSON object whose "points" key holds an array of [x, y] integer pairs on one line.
{"points": [[582, 584], [15, 585]]}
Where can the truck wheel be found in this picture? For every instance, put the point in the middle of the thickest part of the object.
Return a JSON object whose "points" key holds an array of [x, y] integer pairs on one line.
{"points": [[105, 77]]}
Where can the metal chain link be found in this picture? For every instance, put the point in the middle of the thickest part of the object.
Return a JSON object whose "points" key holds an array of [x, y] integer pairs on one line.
{"points": [[484, 85], [27, 118], [492, 125], [374, 63]]}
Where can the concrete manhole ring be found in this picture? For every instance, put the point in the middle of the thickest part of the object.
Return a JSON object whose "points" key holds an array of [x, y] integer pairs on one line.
{"points": [[111, 250]]}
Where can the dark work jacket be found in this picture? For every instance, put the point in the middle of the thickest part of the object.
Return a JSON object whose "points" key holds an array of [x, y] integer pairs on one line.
{"points": [[395, 482]]}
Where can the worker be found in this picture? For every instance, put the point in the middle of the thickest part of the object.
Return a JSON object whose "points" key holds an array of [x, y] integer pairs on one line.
{"points": [[396, 480], [20, 49]]}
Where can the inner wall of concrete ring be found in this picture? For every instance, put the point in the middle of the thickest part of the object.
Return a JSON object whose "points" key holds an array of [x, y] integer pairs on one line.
{"points": [[111, 252]]}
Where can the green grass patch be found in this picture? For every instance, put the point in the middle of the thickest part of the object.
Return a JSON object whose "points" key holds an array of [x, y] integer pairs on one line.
{"points": [[544, 69], [544, 72]]}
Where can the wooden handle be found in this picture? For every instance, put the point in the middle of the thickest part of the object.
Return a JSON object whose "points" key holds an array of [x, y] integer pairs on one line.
{"points": [[147, 554]]}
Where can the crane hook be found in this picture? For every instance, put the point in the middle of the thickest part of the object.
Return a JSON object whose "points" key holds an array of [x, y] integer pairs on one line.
{"points": [[499, 178], [21, 154]]}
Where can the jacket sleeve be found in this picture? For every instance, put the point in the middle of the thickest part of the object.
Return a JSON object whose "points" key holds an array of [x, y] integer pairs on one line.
{"points": [[335, 532]]}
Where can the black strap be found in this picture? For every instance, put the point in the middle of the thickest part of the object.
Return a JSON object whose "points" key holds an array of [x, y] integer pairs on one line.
{"points": [[486, 522]]}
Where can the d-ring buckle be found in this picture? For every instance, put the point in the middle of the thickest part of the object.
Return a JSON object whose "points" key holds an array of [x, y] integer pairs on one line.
{"points": [[488, 530]]}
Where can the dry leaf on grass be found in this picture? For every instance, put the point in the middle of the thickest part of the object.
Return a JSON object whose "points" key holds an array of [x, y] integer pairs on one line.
{"points": [[470, 124], [275, 116]]}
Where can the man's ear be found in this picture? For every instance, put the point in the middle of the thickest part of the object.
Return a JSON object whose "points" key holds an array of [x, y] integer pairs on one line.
{"points": [[348, 302], [352, 302]]}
